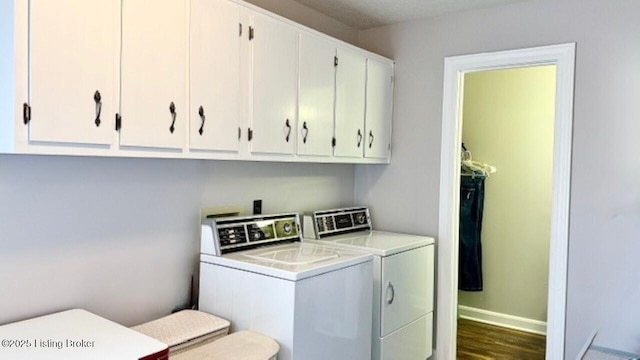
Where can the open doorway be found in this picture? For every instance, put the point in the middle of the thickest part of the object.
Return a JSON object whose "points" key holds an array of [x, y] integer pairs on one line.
{"points": [[562, 57], [505, 212]]}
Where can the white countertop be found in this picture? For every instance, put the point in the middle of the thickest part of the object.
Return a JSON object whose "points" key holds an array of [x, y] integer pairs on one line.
{"points": [[75, 335]]}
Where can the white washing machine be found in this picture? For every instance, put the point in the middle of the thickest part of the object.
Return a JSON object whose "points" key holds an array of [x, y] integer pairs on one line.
{"points": [[314, 301], [403, 279]]}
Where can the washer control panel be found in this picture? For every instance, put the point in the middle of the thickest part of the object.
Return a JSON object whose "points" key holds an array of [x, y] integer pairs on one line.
{"points": [[232, 235], [339, 221], [242, 233]]}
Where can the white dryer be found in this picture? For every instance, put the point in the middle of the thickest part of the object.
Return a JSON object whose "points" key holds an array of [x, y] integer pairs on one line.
{"points": [[403, 274], [314, 301]]}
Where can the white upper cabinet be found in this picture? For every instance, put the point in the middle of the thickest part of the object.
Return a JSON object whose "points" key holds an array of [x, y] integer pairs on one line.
{"points": [[351, 79], [379, 109], [317, 96], [274, 85], [198, 79], [154, 67], [73, 70], [215, 75]]}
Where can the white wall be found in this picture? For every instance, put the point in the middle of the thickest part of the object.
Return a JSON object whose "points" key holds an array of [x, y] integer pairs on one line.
{"points": [[508, 118], [605, 197], [119, 237]]}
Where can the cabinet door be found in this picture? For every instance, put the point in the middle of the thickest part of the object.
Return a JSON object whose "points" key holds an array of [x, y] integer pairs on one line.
{"points": [[350, 103], [215, 75], [154, 67], [275, 86], [406, 288], [317, 96], [379, 108], [73, 65]]}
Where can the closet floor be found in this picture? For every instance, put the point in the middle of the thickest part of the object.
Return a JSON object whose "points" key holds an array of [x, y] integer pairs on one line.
{"points": [[478, 341]]}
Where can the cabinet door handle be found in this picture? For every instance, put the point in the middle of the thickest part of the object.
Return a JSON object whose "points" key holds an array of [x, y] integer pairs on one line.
{"points": [[26, 113], [305, 132], [359, 137], [371, 137], [98, 100], [172, 110], [393, 293], [288, 125], [201, 113]]}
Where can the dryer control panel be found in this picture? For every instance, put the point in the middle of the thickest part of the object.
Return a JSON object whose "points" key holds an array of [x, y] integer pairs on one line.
{"points": [[225, 235], [320, 224]]}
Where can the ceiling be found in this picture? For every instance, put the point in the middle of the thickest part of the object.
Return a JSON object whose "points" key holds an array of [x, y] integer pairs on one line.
{"points": [[366, 14]]}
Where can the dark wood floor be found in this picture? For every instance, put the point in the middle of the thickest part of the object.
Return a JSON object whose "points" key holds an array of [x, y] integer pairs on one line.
{"points": [[477, 341]]}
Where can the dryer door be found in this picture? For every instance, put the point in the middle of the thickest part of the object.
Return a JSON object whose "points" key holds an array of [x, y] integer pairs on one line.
{"points": [[406, 292]]}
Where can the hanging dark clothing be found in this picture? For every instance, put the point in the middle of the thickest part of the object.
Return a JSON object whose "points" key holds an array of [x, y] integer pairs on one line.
{"points": [[470, 254]]}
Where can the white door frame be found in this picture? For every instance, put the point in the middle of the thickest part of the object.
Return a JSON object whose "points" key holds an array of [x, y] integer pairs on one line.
{"points": [[563, 56]]}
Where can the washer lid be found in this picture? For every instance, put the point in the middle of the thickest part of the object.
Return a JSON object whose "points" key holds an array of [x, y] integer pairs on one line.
{"points": [[291, 262], [380, 243], [293, 256]]}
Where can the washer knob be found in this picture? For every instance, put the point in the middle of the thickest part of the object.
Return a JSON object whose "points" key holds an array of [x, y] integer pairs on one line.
{"points": [[287, 228], [257, 235], [360, 218]]}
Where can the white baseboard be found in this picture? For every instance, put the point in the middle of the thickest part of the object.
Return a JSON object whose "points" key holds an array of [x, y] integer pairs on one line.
{"points": [[504, 320]]}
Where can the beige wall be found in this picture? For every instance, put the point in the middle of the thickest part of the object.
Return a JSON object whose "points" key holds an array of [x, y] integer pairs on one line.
{"points": [[605, 197], [508, 119]]}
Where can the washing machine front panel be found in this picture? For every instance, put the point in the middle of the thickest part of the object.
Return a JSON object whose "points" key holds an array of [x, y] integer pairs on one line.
{"points": [[250, 301], [322, 317], [333, 315]]}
